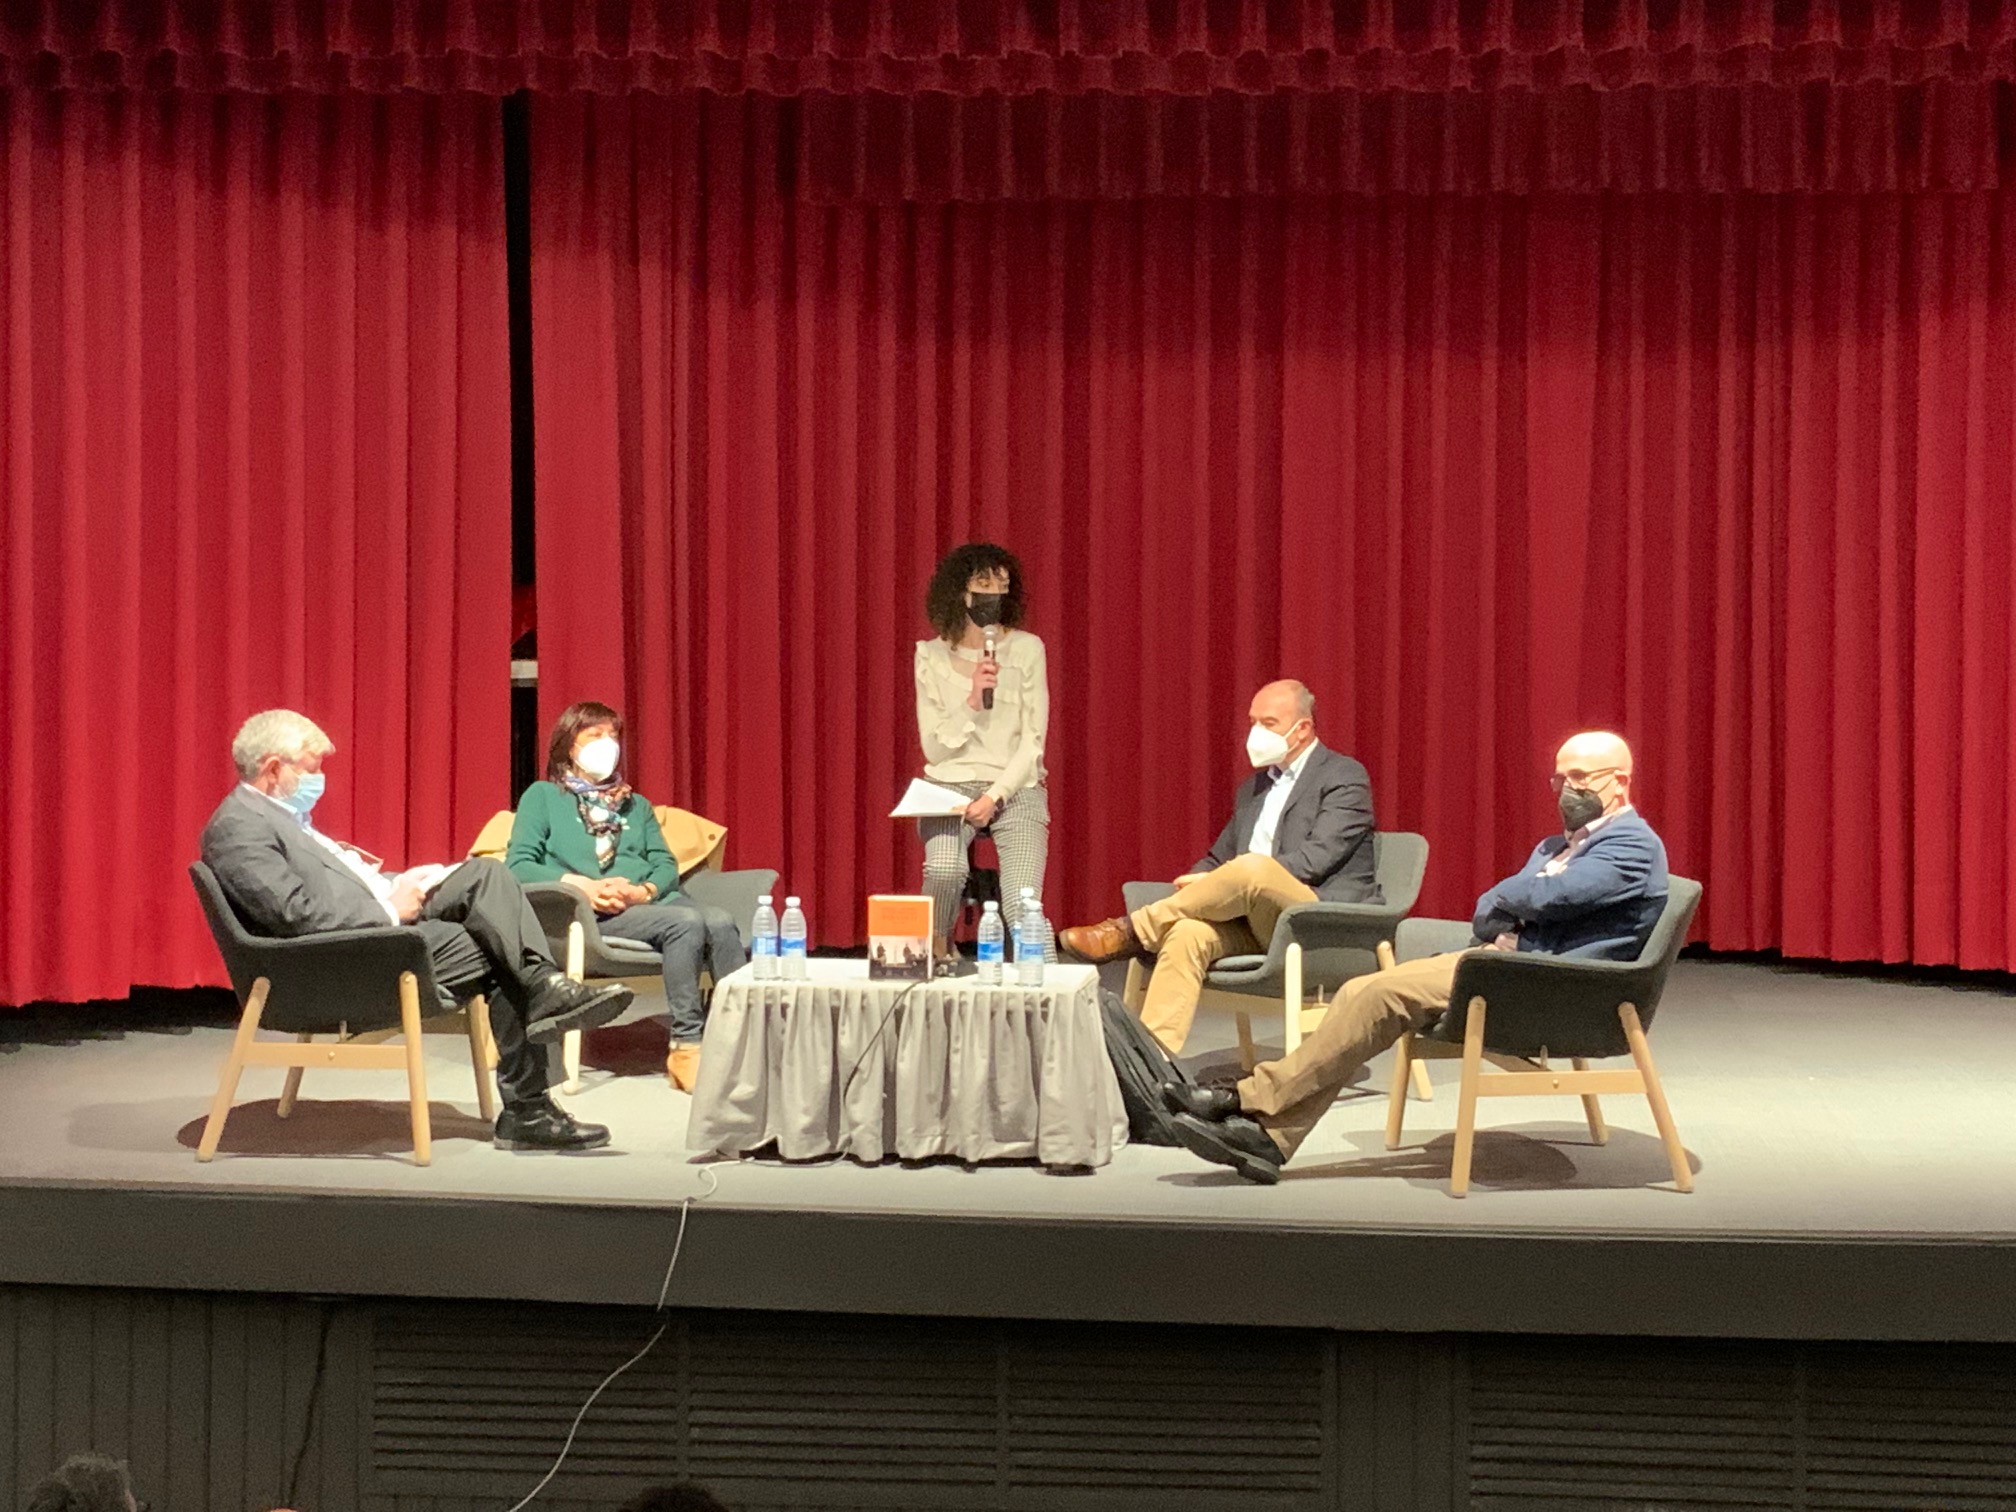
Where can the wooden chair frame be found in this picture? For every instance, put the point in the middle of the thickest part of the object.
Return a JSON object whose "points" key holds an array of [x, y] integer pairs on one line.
{"points": [[1518, 1076], [367, 1051]]}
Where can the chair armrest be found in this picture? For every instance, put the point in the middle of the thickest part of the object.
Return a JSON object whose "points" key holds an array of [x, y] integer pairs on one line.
{"points": [[1534, 1002], [1330, 926], [1417, 939], [1138, 895], [558, 906], [734, 892]]}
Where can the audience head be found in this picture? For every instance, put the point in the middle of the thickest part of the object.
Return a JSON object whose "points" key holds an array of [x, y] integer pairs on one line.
{"points": [[1281, 723], [682, 1498], [1592, 777], [85, 1483], [280, 753], [587, 742], [978, 583]]}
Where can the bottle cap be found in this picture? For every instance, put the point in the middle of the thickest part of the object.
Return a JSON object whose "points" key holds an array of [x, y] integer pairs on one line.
{"points": [[990, 906], [790, 902], [1028, 892], [764, 900]]}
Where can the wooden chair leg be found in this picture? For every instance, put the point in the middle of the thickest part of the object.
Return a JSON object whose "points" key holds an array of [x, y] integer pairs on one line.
{"points": [[1396, 1099], [292, 1089], [1655, 1094], [416, 1068], [478, 1009], [1291, 1002], [1424, 1089], [1466, 1102], [234, 1064], [1247, 1059], [577, 968], [1383, 953], [1599, 1131]]}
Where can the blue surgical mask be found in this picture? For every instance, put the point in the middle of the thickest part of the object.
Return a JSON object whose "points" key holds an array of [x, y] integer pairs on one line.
{"points": [[307, 792]]}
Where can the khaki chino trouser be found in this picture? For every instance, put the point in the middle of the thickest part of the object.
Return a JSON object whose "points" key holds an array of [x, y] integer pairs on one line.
{"points": [[1230, 910]]}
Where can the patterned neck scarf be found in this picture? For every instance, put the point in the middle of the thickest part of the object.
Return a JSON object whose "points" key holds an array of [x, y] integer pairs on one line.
{"points": [[601, 805]]}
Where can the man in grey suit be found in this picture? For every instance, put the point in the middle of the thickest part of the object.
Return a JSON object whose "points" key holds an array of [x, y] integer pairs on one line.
{"points": [[286, 878], [1300, 830]]}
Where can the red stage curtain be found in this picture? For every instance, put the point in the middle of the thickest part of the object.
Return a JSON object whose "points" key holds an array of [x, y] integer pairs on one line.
{"points": [[254, 441], [1730, 473], [967, 47]]}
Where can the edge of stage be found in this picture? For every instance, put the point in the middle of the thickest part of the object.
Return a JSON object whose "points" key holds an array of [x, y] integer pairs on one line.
{"points": [[1855, 1181]]}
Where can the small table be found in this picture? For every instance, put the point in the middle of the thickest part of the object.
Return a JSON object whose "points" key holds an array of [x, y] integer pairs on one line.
{"points": [[958, 1068]]}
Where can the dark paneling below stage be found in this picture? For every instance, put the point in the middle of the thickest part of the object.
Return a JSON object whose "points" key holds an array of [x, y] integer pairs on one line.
{"points": [[426, 1406], [925, 1265]]}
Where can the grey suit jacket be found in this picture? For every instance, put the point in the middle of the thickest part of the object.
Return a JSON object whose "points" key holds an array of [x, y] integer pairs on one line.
{"points": [[1325, 834], [279, 878]]}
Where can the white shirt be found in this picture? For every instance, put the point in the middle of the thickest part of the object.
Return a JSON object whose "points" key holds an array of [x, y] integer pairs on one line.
{"points": [[1001, 746], [1275, 803], [366, 872]]}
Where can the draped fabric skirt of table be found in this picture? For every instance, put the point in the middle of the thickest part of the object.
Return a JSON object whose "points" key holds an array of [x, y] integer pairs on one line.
{"points": [[958, 1069]]}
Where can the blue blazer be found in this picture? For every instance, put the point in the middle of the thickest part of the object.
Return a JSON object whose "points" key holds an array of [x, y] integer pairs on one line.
{"points": [[1601, 907]]}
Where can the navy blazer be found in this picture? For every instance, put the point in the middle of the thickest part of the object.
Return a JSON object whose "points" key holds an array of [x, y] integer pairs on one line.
{"points": [[1325, 834], [1603, 904]]}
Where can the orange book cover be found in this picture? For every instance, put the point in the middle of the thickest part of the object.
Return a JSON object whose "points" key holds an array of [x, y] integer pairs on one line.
{"points": [[899, 937]]}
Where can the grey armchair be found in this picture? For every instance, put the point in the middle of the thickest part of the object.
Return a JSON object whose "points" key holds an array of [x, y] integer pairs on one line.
{"points": [[360, 986], [1316, 948], [1519, 1011]]}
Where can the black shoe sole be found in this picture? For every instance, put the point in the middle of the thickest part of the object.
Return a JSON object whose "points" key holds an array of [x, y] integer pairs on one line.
{"points": [[607, 1003], [1208, 1143], [540, 1146]]}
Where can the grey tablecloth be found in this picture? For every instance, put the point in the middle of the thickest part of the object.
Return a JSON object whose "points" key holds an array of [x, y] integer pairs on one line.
{"points": [[983, 1073]]}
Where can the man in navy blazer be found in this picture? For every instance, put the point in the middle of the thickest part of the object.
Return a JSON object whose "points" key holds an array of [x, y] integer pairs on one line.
{"points": [[1301, 829], [1594, 891]]}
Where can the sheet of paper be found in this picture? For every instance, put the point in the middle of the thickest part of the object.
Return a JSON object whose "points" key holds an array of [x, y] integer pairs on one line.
{"points": [[425, 878], [928, 800]]}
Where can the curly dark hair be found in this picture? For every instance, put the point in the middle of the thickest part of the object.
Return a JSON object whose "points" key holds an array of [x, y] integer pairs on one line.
{"points": [[575, 719], [945, 599]]}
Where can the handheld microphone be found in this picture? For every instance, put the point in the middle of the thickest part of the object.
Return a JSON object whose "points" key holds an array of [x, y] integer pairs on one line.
{"points": [[987, 695]]}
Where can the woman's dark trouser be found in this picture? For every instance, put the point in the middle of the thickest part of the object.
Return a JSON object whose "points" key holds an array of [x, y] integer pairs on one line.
{"points": [[691, 937]]}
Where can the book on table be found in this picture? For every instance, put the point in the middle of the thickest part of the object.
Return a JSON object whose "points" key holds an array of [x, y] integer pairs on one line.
{"points": [[899, 937]]}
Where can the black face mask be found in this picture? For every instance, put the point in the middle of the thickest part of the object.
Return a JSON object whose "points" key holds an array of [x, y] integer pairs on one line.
{"points": [[1579, 806], [985, 609]]}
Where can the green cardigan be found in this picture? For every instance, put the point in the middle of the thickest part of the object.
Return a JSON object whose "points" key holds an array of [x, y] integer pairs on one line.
{"points": [[548, 841]]}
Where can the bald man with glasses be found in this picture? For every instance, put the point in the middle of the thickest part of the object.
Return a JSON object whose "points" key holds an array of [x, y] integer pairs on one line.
{"points": [[1592, 892]]}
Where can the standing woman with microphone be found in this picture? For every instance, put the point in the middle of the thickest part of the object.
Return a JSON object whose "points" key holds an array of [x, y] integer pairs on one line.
{"points": [[983, 710]]}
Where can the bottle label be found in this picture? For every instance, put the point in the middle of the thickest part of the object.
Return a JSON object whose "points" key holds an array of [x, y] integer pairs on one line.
{"points": [[766, 945], [795, 947], [990, 952]]}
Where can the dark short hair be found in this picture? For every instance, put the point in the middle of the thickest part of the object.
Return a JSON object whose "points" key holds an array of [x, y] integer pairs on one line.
{"points": [[83, 1483], [945, 599], [685, 1497], [575, 719]]}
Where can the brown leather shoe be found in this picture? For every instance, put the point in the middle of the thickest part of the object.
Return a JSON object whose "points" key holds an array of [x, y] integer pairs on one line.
{"points": [[1096, 944], [682, 1067]]}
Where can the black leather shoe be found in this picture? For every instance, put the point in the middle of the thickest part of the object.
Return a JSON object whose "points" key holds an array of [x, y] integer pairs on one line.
{"points": [[1212, 1104], [560, 1004], [1237, 1142], [545, 1126]]}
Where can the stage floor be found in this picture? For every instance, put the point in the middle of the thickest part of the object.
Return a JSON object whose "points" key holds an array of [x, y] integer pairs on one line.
{"points": [[1824, 1112]]}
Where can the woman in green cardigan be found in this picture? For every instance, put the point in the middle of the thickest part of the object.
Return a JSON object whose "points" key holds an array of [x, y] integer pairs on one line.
{"points": [[585, 826]]}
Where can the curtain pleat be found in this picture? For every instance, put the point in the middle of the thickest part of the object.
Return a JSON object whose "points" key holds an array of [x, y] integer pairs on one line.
{"points": [[967, 47], [1730, 473], [254, 401]]}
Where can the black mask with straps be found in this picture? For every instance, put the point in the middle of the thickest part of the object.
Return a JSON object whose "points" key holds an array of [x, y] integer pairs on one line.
{"points": [[984, 609]]}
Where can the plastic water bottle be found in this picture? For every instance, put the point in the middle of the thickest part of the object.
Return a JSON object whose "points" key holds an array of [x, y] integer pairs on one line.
{"points": [[763, 941], [1032, 939], [993, 940], [792, 942]]}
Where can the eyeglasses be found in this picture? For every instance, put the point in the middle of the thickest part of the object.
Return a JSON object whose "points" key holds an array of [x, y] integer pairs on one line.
{"points": [[1580, 779]]}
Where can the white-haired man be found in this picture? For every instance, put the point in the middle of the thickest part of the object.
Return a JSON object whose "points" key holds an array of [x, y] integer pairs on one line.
{"points": [[287, 878]]}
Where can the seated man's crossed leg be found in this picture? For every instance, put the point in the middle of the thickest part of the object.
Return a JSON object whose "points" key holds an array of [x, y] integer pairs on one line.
{"points": [[1230, 910]]}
